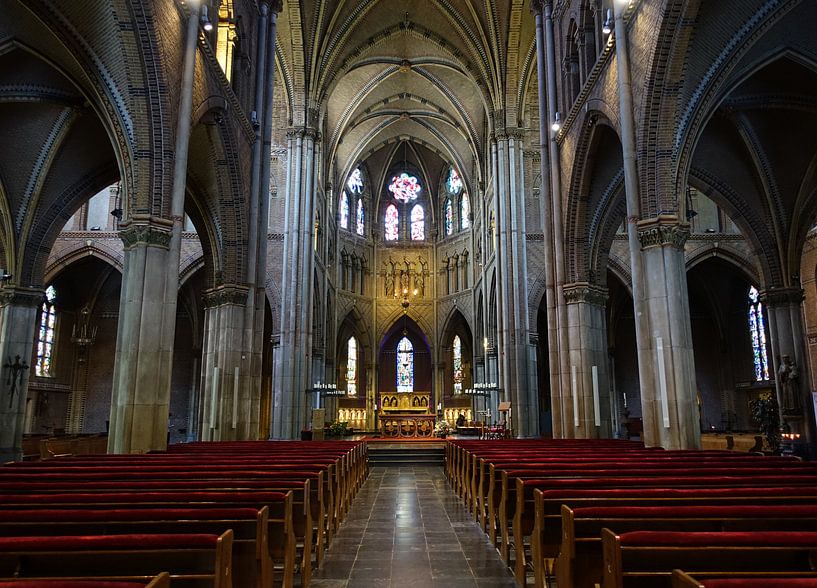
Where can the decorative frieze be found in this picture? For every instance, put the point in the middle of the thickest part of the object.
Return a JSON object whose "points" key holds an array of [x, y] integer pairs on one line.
{"points": [[585, 292], [226, 294], [20, 296], [665, 230], [782, 296], [145, 234]]}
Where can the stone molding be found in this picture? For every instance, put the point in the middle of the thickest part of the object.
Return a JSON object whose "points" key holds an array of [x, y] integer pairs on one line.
{"points": [[584, 292], [147, 234], [665, 230], [21, 296], [234, 294], [782, 296]]}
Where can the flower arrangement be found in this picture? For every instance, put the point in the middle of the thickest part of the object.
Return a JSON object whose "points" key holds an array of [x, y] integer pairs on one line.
{"points": [[442, 428]]}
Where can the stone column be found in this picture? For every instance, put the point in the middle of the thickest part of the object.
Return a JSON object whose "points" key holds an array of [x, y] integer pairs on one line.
{"points": [[784, 314], [228, 411], [588, 399], [19, 309], [668, 401], [145, 335]]}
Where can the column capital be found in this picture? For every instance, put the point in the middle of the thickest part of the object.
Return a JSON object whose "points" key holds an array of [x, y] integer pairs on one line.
{"points": [[537, 6], [276, 5], [235, 294], [585, 292], [147, 231], [21, 296], [664, 230], [782, 296]]}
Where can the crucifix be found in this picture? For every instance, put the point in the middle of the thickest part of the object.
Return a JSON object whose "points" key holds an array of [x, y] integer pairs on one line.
{"points": [[14, 378]]}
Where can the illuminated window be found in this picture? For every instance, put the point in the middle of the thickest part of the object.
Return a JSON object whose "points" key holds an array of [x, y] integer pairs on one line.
{"points": [[45, 337], [355, 181], [405, 366], [418, 223], [392, 223], [757, 330], [454, 182], [344, 211], [465, 212], [361, 220], [404, 187], [449, 217], [351, 367], [457, 365], [226, 38]]}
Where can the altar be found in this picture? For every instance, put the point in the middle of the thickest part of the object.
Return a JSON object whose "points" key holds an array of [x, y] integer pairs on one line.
{"points": [[406, 414]]}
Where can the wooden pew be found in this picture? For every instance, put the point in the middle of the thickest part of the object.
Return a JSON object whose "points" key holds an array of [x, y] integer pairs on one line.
{"points": [[261, 539], [580, 555], [283, 529], [160, 581], [645, 559], [193, 561], [747, 580]]}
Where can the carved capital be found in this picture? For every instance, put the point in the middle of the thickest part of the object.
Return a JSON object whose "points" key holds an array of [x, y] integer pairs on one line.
{"points": [[585, 292], [148, 234], [782, 296], [537, 6], [234, 294], [665, 230], [21, 296]]}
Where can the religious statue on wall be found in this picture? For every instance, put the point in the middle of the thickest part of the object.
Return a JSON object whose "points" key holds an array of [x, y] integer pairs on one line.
{"points": [[408, 276], [788, 377]]}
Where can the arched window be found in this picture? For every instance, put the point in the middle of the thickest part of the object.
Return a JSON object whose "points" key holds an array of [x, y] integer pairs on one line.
{"points": [[449, 217], [418, 223], [392, 223], [344, 211], [361, 220], [757, 330], [45, 337], [404, 187], [355, 181], [454, 182], [351, 367], [457, 365], [465, 212], [405, 366]]}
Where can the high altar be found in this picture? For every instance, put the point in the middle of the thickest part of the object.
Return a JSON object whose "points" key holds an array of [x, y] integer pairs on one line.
{"points": [[406, 414]]}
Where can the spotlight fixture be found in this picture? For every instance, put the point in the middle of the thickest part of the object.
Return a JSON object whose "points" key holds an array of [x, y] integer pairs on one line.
{"points": [[205, 19], [557, 123], [607, 28]]}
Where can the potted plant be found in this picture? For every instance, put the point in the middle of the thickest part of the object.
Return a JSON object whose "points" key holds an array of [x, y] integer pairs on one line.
{"points": [[766, 415], [442, 428], [337, 429]]}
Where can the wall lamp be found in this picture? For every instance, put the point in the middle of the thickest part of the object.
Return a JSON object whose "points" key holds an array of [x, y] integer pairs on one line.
{"points": [[557, 123], [205, 19]]}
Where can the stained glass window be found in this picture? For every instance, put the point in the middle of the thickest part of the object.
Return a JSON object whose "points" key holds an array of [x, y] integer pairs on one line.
{"points": [[454, 182], [418, 223], [361, 220], [45, 336], [448, 221], [405, 366], [392, 223], [404, 187], [457, 365], [344, 211], [757, 330], [351, 367], [465, 212], [355, 181]]}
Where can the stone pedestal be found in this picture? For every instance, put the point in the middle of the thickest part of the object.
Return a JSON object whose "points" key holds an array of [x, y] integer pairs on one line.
{"points": [[668, 401], [145, 336], [229, 404], [19, 310], [588, 399]]}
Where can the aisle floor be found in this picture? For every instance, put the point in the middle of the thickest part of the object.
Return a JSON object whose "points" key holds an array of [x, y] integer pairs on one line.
{"points": [[406, 527]]}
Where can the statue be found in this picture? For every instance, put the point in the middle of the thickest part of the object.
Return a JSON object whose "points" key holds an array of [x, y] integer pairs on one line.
{"points": [[789, 379], [389, 284]]}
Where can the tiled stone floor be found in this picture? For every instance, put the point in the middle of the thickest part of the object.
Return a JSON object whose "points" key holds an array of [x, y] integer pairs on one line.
{"points": [[407, 528]]}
